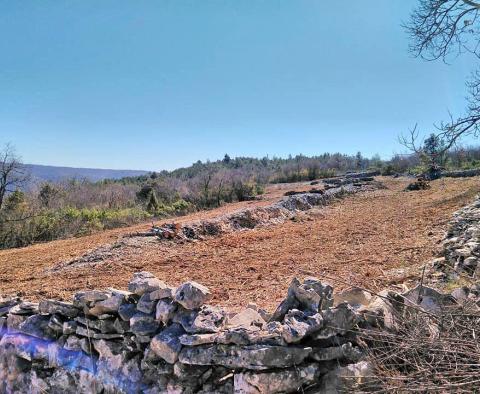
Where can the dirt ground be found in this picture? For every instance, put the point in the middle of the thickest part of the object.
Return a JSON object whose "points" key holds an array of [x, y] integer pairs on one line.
{"points": [[371, 239]]}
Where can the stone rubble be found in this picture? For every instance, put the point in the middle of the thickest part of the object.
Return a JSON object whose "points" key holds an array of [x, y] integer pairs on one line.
{"points": [[157, 339], [460, 253]]}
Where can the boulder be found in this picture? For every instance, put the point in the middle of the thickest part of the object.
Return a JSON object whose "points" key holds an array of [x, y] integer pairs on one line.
{"points": [[346, 379], [165, 310], [144, 282], [144, 325], [310, 296], [166, 344], [297, 325], [247, 318], [290, 380], [146, 304], [192, 295], [337, 321], [126, 311], [111, 305], [208, 320], [355, 297], [257, 357]]}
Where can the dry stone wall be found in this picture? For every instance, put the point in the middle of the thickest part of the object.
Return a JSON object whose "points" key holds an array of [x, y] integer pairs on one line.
{"points": [[157, 339], [460, 253]]}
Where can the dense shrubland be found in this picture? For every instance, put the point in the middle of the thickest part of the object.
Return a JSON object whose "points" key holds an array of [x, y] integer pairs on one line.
{"points": [[42, 212]]}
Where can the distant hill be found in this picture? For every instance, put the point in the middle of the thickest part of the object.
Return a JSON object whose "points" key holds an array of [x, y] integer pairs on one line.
{"points": [[40, 173]]}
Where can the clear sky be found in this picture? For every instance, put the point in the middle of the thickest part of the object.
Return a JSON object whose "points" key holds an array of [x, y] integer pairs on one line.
{"points": [[159, 84]]}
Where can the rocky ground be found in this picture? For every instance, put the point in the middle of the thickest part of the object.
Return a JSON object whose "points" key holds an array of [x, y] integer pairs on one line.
{"points": [[373, 239]]}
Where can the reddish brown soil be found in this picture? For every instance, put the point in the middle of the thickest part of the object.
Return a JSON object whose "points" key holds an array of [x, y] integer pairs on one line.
{"points": [[371, 239]]}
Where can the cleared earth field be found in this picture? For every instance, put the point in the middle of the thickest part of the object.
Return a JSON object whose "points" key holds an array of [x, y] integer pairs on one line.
{"points": [[370, 239]]}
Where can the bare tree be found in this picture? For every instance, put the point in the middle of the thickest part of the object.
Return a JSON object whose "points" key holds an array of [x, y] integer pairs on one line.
{"points": [[444, 29], [12, 172]]}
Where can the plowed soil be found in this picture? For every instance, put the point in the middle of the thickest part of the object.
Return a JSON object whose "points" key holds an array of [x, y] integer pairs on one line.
{"points": [[372, 239]]}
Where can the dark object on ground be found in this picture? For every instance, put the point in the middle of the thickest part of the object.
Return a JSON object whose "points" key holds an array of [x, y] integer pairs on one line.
{"points": [[314, 183], [419, 184], [313, 190], [461, 174]]}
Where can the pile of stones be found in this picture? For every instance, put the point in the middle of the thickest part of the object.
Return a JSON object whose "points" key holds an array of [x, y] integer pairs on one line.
{"points": [[277, 213], [154, 338], [461, 246]]}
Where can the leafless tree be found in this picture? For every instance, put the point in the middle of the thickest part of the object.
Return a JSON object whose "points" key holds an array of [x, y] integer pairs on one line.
{"points": [[12, 172], [444, 29]]}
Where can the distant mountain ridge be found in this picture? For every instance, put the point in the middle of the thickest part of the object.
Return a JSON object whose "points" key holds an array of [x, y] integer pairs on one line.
{"points": [[42, 173]]}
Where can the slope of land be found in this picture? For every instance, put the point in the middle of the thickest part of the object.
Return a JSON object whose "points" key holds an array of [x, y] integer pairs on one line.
{"points": [[372, 239]]}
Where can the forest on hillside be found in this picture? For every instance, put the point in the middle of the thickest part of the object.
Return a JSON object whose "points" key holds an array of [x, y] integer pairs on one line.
{"points": [[75, 207]]}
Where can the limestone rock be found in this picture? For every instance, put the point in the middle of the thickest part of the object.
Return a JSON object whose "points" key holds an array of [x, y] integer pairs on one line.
{"points": [[256, 357], [126, 311], [192, 295], [144, 282], [355, 297], [287, 381], [165, 310], [337, 321], [310, 296], [198, 339], [297, 325], [143, 324], [247, 318], [146, 304], [208, 320], [110, 305], [166, 344]]}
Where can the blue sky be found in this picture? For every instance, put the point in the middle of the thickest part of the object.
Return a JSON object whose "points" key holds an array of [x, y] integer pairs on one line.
{"points": [[160, 84]]}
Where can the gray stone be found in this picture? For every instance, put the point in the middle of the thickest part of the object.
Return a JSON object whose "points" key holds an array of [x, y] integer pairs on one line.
{"points": [[247, 318], [192, 295], [287, 381], [49, 307], [257, 357], [69, 327], [346, 351], [297, 325], [186, 318], [37, 326], [144, 282], [108, 306], [93, 296], [337, 321], [146, 304], [198, 339], [165, 310], [311, 296], [126, 311], [143, 324], [208, 320], [166, 344]]}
